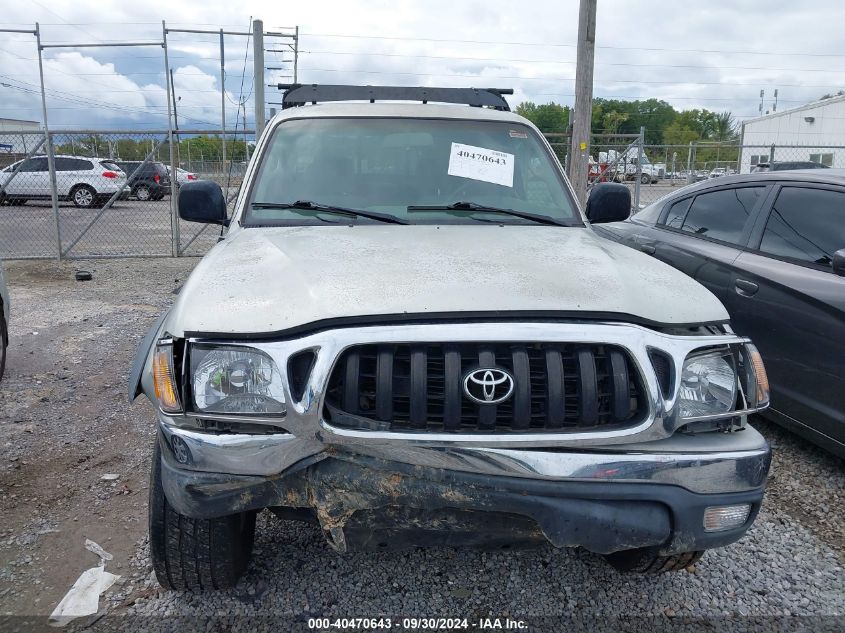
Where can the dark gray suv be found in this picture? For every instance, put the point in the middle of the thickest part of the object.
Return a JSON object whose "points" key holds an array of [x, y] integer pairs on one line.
{"points": [[148, 182]]}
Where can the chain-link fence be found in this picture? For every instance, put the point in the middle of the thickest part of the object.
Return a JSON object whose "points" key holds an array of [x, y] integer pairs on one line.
{"points": [[110, 194], [652, 171]]}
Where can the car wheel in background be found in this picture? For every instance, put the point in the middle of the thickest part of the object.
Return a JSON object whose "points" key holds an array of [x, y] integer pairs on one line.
{"points": [[83, 196], [142, 192], [645, 179]]}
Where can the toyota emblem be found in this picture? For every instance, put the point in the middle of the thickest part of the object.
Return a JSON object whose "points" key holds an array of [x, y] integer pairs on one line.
{"points": [[488, 386]]}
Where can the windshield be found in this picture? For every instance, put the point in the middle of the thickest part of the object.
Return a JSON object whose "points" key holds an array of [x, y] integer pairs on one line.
{"points": [[386, 165]]}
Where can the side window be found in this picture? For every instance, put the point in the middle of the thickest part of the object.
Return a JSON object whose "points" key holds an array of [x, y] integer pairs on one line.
{"points": [[675, 217], [722, 215], [80, 164], [35, 164], [806, 224], [64, 164]]}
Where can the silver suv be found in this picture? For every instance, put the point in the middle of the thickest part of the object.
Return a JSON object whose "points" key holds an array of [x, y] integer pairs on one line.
{"points": [[85, 181], [411, 335]]}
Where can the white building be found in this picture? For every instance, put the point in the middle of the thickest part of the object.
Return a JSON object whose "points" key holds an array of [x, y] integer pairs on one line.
{"points": [[11, 139], [813, 132]]}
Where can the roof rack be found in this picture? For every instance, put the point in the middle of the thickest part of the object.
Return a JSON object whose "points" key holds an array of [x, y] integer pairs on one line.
{"points": [[300, 94]]}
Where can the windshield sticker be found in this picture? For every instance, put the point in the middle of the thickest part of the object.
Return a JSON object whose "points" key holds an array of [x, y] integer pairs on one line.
{"points": [[517, 134], [479, 163]]}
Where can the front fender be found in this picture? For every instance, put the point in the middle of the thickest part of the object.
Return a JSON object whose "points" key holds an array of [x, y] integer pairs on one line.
{"points": [[142, 357]]}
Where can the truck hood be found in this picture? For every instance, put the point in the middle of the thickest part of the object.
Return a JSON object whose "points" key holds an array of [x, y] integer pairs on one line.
{"points": [[268, 280]]}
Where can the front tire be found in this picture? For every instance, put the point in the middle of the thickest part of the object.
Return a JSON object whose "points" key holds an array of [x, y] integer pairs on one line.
{"points": [[645, 561], [645, 179], [196, 553], [84, 197]]}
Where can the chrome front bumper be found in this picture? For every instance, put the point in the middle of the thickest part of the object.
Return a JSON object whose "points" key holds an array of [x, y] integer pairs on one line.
{"points": [[707, 464]]}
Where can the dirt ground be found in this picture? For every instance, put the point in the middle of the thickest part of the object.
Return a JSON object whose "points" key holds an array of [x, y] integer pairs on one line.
{"points": [[65, 422]]}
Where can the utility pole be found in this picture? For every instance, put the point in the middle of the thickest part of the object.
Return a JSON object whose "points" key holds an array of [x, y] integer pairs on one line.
{"points": [[579, 153], [258, 72], [295, 54], [223, 99]]}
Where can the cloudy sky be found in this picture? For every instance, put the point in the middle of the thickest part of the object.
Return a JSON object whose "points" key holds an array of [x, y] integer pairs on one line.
{"points": [[717, 55]]}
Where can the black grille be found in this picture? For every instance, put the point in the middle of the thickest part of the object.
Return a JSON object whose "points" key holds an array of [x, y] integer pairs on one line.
{"points": [[557, 387]]}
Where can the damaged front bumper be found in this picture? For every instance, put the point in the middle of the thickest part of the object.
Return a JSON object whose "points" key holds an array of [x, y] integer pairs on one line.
{"points": [[610, 499]]}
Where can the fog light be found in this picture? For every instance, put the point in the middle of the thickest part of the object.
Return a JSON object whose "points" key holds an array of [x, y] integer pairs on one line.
{"points": [[719, 518]]}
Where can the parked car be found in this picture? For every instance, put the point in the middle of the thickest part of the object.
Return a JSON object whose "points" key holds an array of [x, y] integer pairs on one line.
{"points": [[5, 306], [771, 246], [148, 182], [718, 172], [183, 176], [86, 181], [787, 165], [410, 336]]}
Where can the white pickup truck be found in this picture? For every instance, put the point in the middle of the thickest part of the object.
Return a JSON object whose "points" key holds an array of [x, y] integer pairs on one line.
{"points": [[411, 335]]}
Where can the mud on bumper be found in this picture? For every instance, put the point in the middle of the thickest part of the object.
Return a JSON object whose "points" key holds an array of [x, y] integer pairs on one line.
{"points": [[365, 502]]}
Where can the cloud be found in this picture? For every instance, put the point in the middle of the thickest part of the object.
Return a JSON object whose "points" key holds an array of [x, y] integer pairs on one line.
{"points": [[717, 56]]}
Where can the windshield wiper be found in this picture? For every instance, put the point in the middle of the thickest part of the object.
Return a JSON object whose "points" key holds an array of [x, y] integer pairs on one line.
{"points": [[308, 205], [472, 207]]}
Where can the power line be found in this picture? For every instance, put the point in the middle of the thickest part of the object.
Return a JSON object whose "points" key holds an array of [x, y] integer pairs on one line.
{"points": [[76, 26], [552, 78], [83, 102], [569, 62], [768, 53]]}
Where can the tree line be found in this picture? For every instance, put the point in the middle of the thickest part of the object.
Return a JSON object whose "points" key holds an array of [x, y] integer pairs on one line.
{"points": [[196, 148], [663, 123]]}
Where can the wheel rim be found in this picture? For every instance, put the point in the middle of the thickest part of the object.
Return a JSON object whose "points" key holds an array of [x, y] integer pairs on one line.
{"points": [[143, 193], [83, 197]]}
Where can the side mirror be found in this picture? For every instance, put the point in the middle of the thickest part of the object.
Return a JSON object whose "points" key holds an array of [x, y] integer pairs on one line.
{"points": [[608, 202], [203, 201], [839, 262]]}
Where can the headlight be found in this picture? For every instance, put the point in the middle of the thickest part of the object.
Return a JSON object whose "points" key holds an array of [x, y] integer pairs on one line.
{"points": [[238, 380], [708, 385]]}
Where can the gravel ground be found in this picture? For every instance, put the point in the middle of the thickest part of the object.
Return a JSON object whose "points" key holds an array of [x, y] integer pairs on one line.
{"points": [[65, 422]]}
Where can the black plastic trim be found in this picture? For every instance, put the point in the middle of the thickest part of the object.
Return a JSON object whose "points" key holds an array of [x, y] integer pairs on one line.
{"points": [[550, 316]]}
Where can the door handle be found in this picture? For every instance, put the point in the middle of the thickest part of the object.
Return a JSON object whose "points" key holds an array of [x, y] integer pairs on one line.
{"points": [[648, 249], [745, 288]]}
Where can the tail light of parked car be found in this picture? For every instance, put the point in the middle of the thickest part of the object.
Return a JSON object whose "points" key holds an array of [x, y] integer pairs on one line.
{"points": [[192, 176], [157, 178], [111, 174]]}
